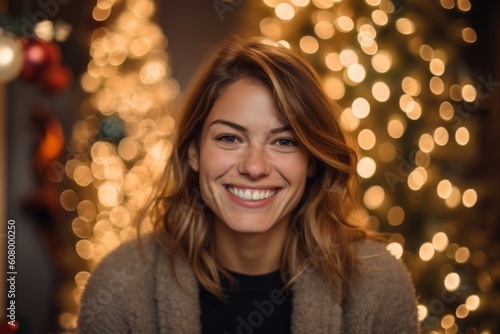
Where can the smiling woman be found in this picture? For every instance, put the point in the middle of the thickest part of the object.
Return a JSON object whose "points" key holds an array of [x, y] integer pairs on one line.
{"points": [[252, 228]]}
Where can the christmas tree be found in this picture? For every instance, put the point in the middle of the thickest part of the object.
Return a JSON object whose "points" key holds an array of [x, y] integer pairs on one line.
{"points": [[122, 139]]}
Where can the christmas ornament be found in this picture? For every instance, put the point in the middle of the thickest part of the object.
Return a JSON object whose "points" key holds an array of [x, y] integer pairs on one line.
{"points": [[39, 56]]}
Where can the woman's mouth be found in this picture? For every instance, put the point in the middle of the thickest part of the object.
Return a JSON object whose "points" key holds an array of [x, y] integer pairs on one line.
{"points": [[251, 194]]}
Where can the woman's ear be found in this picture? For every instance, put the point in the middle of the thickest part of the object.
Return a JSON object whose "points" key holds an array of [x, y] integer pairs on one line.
{"points": [[194, 156]]}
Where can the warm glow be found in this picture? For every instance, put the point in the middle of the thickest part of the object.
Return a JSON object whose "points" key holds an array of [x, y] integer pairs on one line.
{"points": [[379, 17], [309, 44], [386, 152], [404, 101], [440, 241], [324, 4], [374, 197], [426, 143], [405, 26], [284, 11], [334, 87], [366, 167], [366, 139], [426, 52], [348, 57], [381, 91], [324, 29], [270, 27], [426, 252], [300, 3], [444, 189], [413, 110], [395, 249], [349, 120], [448, 4], [272, 3], [344, 24], [472, 302], [82, 175], [422, 312], [417, 178], [396, 216], [469, 198], [360, 108], [446, 111], [464, 5], [366, 35], [462, 136], [411, 86], [469, 93], [436, 66], [469, 35], [356, 72], [441, 136], [447, 321], [332, 61], [454, 199], [396, 127], [456, 92], [462, 311], [422, 159], [452, 281], [462, 255], [436, 85], [382, 61], [69, 200]]}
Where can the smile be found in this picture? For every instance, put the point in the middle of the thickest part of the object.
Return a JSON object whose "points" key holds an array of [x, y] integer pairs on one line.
{"points": [[251, 194]]}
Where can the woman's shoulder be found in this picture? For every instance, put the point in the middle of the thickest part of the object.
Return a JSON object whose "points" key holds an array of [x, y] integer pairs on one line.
{"points": [[383, 290], [120, 285], [131, 255], [375, 260], [128, 266], [382, 273]]}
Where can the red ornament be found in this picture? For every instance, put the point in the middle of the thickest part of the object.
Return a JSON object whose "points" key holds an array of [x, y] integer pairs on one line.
{"points": [[8, 328], [39, 56], [56, 79]]}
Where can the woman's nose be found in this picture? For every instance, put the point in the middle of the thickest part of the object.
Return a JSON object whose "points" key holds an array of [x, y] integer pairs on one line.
{"points": [[254, 163]]}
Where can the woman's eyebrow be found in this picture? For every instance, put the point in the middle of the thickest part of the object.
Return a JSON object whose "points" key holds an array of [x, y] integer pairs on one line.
{"points": [[230, 124], [244, 129]]}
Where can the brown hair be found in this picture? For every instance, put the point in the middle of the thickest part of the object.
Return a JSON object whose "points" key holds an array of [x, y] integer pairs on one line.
{"points": [[319, 233]]}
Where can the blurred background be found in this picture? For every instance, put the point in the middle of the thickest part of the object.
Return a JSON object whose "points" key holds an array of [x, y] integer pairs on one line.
{"points": [[89, 91]]}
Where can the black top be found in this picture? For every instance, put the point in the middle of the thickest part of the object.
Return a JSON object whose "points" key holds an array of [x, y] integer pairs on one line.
{"points": [[257, 304]]}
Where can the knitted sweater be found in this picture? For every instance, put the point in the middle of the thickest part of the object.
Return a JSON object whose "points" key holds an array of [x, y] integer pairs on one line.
{"points": [[128, 293]]}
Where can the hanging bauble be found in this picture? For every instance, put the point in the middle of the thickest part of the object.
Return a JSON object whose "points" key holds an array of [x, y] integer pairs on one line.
{"points": [[39, 56], [11, 58], [56, 79]]}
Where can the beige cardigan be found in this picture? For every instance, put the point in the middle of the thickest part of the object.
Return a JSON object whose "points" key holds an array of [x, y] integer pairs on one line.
{"points": [[130, 294]]}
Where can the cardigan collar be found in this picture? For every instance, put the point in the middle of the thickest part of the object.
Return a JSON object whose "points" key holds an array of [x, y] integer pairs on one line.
{"points": [[316, 302]]}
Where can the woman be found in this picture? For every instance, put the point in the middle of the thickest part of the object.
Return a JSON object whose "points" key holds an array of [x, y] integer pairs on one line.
{"points": [[252, 231]]}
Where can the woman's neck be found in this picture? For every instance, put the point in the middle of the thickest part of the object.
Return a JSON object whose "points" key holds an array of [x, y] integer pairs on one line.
{"points": [[249, 253]]}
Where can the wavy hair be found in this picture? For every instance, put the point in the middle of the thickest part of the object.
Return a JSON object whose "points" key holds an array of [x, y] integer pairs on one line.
{"points": [[320, 232]]}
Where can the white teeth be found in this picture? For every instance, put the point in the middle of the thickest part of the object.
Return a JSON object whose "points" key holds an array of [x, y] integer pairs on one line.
{"points": [[251, 195], [248, 195]]}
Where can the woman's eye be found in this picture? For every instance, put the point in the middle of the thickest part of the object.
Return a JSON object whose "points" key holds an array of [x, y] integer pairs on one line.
{"points": [[227, 138], [286, 142]]}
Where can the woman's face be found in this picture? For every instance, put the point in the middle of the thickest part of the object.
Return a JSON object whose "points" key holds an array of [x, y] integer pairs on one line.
{"points": [[252, 170]]}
